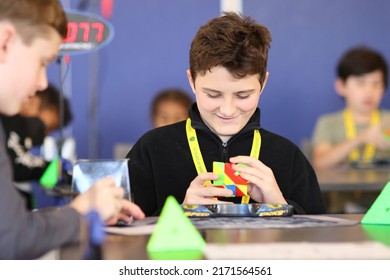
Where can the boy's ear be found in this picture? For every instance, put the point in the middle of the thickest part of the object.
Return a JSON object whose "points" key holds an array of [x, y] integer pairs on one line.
{"points": [[339, 86], [264, 82], [191, 81], [7, 31]]}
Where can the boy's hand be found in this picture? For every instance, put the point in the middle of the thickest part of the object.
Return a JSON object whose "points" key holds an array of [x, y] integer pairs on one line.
{"points": [[262, 185], [129, 211], [107, 199], [198, 193], [374, 135]]}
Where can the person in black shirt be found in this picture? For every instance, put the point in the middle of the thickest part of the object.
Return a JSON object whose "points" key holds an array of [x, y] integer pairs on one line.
{"points": [[38, 117], [227, 74]]}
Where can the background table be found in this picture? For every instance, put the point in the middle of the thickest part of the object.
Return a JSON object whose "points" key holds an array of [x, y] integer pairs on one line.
{"points": [[347, 189], [353, 179]]}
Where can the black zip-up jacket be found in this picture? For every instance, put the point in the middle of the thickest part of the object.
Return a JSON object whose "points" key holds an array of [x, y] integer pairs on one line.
{"points": [[161, 164]]}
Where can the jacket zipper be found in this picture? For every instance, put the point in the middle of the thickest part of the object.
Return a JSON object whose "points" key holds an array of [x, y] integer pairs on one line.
{"points": [[224, 152]]}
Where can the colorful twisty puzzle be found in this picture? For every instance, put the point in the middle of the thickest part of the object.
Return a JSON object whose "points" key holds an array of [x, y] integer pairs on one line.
{"points": [[229, 179]]}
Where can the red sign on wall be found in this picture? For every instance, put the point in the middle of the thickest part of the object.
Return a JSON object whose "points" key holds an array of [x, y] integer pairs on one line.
{"points": [[86, 33]]}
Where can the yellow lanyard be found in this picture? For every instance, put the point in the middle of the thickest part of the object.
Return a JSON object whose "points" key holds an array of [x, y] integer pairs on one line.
{"points": [[350, 130], [198, 158]]}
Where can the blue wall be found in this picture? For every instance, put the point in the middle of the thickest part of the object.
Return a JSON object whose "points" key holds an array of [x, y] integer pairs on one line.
{"points": [[309, 36], [150, 52]]}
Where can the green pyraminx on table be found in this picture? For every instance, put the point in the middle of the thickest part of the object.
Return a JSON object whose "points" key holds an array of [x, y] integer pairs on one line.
{"points": [[50, 177], [379, 212], [174, 233]]}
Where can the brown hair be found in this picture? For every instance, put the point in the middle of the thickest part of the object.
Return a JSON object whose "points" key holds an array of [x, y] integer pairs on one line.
{"points": [[233, 41], [51, 99], [361, 60], [171, 94], [32, 17]]}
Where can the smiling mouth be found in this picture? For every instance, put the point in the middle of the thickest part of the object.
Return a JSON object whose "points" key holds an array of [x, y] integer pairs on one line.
{"points": [[226, 118], [368, 103]]}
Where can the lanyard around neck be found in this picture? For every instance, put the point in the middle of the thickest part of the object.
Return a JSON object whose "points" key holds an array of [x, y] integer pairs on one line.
{"points": [[350, 131], [198, 158]]}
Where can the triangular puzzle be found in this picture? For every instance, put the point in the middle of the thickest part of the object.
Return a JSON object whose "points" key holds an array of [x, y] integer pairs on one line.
{"points": [[174, 234], [379, 233], [49, 178], [379, 212]]}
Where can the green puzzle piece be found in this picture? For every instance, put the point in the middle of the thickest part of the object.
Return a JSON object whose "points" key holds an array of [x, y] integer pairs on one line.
{"points": [[379, 233], [50, 177], [175, 237], [379, 212], [218, 168]]}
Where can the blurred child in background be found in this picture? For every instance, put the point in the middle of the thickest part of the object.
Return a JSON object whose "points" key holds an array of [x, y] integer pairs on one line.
{"points": [[357, 134], [170, 106]]}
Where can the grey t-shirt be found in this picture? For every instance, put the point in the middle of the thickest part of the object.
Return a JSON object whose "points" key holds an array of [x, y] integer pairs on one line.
{"points": [[330, 128]]}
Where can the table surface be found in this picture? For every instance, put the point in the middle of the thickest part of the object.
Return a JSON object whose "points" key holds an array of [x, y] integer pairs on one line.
{"points": [[353, 179], [118, 247]]}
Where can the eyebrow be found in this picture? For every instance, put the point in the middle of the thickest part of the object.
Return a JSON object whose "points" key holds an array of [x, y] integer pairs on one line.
{"points": [[237, 92]]}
